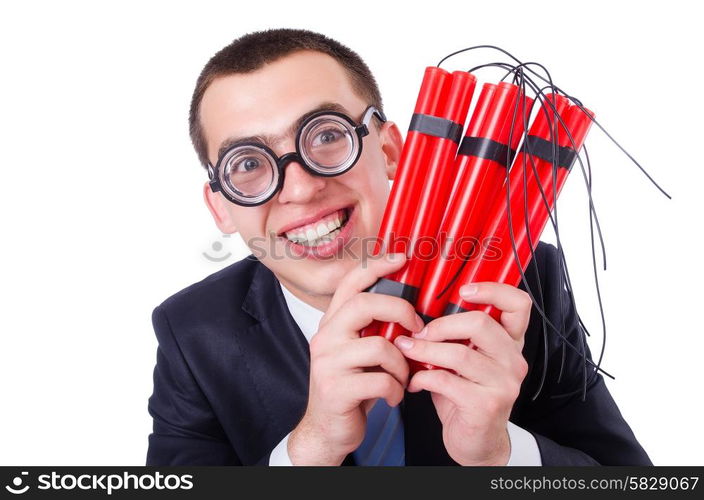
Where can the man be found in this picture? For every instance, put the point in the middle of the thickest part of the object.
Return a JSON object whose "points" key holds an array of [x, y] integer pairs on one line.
{"points": [[250, 371]]}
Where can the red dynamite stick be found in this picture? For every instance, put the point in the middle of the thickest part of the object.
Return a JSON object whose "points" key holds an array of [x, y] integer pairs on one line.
{"points": [[434, 191], [411, 171], [466, 215], [507, 269], [476, 121], [412, 166]]}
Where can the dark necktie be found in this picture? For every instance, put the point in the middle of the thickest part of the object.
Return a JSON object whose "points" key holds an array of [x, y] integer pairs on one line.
{"points": [[383, 442]]}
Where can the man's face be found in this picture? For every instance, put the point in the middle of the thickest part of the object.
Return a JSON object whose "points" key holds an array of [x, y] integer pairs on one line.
{"points": [[265, 104]]}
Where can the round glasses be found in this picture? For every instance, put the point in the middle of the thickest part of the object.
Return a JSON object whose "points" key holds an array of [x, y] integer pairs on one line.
{"points": [[328, 143]]}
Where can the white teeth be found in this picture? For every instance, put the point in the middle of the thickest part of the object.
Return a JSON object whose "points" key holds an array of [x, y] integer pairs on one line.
{"points": [[323, 229], [295, 236], [324, 232], [323, 239]]}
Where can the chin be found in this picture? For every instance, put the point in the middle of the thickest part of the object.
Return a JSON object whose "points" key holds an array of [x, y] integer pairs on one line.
{"points": [[320, 278]]}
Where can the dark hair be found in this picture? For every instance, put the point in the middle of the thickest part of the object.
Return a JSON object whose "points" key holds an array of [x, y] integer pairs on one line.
{"points": [[253, 50]]}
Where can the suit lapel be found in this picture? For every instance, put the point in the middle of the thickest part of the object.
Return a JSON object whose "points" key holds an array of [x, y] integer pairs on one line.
{"points": [[277, 358]]}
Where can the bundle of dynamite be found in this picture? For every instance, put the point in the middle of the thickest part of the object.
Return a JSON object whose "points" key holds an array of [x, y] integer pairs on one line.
{"points": [[472, 209]]}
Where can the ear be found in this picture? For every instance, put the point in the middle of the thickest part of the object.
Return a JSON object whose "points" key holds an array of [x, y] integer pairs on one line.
{"points": [[219, 209], [391, 145]]}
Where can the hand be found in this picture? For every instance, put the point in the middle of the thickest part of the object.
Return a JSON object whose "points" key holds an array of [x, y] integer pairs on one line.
{"points": [[475, 402], [348, 373]]}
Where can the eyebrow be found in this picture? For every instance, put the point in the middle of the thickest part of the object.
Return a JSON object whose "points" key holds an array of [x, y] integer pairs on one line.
{"points": [[269, 140]]}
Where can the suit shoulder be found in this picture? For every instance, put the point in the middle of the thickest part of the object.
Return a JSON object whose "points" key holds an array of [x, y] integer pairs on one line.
{"points": [[220, 292], [543, 269], [545, 253]]}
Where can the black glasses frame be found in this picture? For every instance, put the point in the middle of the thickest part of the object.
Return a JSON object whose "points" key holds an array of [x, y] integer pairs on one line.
{"points": [[361, 129]]}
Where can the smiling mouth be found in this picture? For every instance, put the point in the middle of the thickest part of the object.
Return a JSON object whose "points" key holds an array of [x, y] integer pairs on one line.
{"points": [[320, 232]]}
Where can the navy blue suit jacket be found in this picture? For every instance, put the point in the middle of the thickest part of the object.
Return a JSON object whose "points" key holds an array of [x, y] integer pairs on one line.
{"points": [[231, 380]]}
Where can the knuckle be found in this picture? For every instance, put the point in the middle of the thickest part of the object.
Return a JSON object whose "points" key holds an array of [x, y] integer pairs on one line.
{"points": [[325, 388], [387, 383], [397, 360], [318, 368], [525, 300], [408, 309], [431, 330], [399, 307], [405, 371], [492, 405], [443, 377], [363, 301], [399, 395], [350, 279], [375, 269], [358, 300], [316, 345], [378, 345], [393, 396], [515, 392], [522, 367], [480, 319], [511, 392], [465, 355]]}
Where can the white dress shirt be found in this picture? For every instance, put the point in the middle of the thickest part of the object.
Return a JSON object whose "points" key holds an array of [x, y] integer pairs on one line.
{"points": [[524, 448]]}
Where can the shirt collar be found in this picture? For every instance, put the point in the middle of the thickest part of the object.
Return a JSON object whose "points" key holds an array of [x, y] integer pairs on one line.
{"points": [[306, 316]]}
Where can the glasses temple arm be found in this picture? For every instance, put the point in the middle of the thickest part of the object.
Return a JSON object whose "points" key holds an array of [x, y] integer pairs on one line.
{"points": [[367, 117]]}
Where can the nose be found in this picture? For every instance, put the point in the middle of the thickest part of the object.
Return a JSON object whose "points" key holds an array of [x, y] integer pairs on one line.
{"points": [[300, 186]]}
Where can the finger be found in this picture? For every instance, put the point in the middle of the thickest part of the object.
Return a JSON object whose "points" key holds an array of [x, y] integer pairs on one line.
{"points": [[466, 362], [372, 385], [514, 304], [375, 351], [484, 332], [364, 276], [481, 402], [364, 308], [368, 405], [458, 390]]}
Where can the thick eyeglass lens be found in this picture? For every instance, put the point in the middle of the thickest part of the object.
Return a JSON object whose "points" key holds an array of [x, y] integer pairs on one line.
{"points": [[250, 173], [329, 144]]}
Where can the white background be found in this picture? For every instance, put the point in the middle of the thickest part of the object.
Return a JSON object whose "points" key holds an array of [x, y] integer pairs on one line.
{"points": [[102, 216]]}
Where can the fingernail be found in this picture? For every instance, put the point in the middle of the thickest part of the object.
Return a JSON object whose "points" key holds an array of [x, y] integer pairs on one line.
{"points": [[403, 342], [421, 334], [468, 290], [395, 257], [419, 323]]}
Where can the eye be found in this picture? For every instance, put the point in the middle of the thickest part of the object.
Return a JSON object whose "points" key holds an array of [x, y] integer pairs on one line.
{"points": [[247, 164], [327, 137]]}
